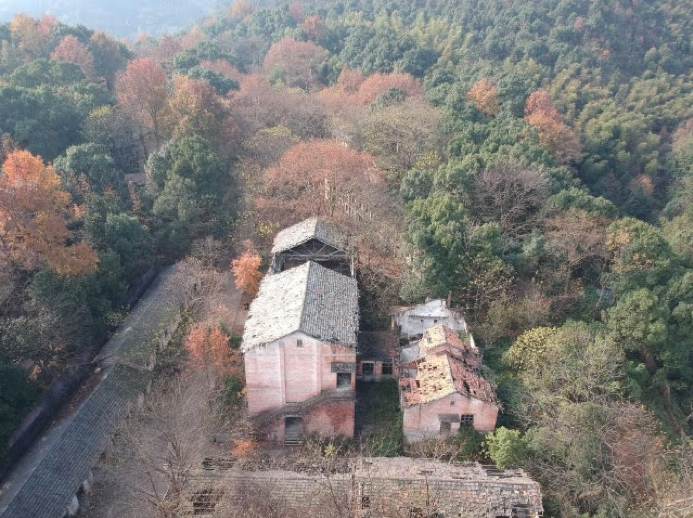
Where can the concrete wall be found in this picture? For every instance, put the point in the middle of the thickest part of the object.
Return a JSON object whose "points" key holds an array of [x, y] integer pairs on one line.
{"points": [[282, 372], [414, 321], [422, 421]]}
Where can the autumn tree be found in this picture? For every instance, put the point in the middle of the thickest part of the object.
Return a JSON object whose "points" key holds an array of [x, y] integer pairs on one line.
{"points": [[196, 109], [72, 50], [295, 62], [29, 36], [554, 135], [313, 27], [377, 84], [141, 91], [246, 270], [241, 9], [209, 347], [320, 177], [34, 213], [576, 238], [484, 94]]}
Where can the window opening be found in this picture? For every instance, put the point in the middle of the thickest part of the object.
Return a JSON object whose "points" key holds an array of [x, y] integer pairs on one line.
{"points": [[343, 379], [466, 419], [299, 343], [387, 368], [368, 368]]}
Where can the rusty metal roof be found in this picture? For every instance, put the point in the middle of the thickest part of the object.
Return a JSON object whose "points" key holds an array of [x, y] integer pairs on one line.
{"points": [[309, 298]]}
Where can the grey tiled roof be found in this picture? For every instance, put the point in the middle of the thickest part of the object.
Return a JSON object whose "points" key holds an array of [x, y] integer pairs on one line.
{"points": [[312, 228], [72, 449], [309, 298]]}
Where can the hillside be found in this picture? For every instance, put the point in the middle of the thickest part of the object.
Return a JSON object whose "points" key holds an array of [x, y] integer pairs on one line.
{"points": [[532, 161]]}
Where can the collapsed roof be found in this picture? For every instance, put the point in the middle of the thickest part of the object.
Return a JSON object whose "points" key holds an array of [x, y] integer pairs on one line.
{"points": [[445, 365]]}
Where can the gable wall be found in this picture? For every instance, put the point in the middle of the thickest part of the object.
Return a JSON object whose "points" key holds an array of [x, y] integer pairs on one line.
{"points": [[421, 421], [282, 372]]}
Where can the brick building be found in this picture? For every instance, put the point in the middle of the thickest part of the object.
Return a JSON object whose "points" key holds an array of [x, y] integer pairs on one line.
{"points": [[378, 352], [299, 346], [441, 387]]}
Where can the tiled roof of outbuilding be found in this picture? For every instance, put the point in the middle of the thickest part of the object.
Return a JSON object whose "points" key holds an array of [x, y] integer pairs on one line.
{"points": [[312, 228], [309, 298]]}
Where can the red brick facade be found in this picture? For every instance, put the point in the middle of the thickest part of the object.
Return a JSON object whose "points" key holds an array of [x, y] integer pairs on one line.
{"points": [[297, 376]]}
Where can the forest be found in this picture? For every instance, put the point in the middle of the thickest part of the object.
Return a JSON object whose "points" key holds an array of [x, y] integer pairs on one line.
{"points": [[533, 161]]}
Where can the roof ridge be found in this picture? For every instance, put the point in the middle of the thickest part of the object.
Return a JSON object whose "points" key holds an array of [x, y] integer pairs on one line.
{"points": [[301, 323]]}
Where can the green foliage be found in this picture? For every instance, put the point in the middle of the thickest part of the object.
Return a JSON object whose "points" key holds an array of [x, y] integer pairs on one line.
{"points": [[188, 181], [506, 448], [17, 396], [231, 395]]}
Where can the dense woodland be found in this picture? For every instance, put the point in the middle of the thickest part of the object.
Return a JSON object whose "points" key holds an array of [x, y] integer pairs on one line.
{"points": [[532, 160]]}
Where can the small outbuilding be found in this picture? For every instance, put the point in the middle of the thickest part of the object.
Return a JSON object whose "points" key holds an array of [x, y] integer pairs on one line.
{"points": [[312, 240]]}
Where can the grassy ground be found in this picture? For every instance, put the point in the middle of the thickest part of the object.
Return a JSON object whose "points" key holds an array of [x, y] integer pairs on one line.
{"points": [[378, 418]]}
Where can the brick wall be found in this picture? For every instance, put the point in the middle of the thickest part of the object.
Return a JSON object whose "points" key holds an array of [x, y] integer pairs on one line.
{"points": [[393, 488], [422, 421], [282, 372]]}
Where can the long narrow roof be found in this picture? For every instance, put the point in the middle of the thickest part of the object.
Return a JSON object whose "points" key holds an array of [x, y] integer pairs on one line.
{"points": [[50, 475], [135, 341], [309, 298], [312, 228]]}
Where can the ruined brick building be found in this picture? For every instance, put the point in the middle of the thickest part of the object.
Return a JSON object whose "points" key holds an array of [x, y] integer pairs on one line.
{"points": [[299, 346], [366, 488], [442, 388]]}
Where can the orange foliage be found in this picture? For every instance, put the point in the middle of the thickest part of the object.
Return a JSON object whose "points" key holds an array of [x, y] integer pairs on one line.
{"points": [[209, 347], [223, 67], [195, 108], [241, 447], [141, 91], [33, 213], [296, 11], [240, 9], [379, 83], [313, 26], [350, 80], [297, 60], [29, 37], [554, 135], [72, 50], [319, 177], [167, 48], [484, 94], [352, 89], [246, 270]]}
